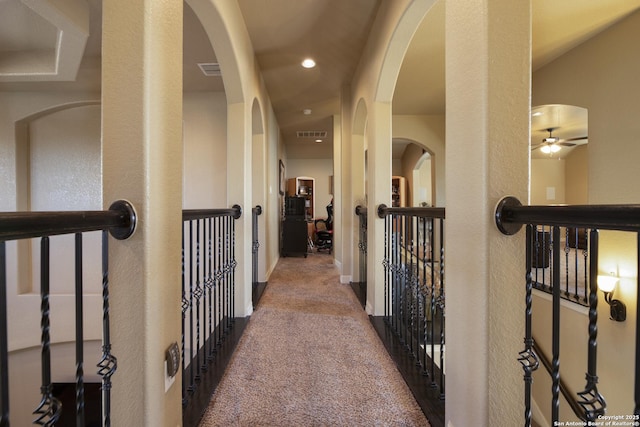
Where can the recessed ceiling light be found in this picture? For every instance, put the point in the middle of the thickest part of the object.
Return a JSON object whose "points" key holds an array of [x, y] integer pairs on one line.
{"points": [[306, 111], [318, 141], [308, 63]]}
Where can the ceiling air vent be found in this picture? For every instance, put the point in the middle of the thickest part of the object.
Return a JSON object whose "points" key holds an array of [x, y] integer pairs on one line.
{"points": [[210, 69], [312, 134]]}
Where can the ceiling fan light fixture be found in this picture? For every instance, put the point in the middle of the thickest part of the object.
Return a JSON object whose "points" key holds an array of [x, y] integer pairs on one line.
{"points": [[308, 63], [551, 148]]}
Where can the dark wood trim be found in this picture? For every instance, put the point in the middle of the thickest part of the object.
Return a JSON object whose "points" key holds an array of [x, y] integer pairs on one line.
{"points": [[427, 396], [194, 410], [257, 291], [360, 290]]}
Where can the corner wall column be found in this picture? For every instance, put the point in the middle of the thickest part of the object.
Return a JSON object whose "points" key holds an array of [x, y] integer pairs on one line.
{"points": [[488, 80], [142, 162], [239, 156], [379, 192]]}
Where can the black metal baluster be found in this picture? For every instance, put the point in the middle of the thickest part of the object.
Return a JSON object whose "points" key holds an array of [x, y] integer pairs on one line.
{"points": [[227, 274], [386, 266], [397, 244], [48, 410], [219, 281], [406, 283], [425, 294], [636, 410], [210, 284], [536, 243], [591, 400], [411, 291], [528, 357], [4, 348], [391, 260], [79, 336], [184, 307], [192, 374], [555, 285], [585, 256], [442, 301], [567, 294], [223, 282], [234, 263], [197, 293], [434, 311], [255, 245], [577, 267], [108, 364]]}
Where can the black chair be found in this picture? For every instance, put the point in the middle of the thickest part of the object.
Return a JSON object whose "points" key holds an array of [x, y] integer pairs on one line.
{"points": [[324, 231]]}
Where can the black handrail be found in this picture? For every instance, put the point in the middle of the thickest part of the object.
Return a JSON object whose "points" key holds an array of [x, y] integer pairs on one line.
{"points": [[191, 214], [120, 220], [511, 215], [384, 210]]}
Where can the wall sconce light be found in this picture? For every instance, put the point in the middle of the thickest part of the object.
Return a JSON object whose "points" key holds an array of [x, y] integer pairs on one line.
{"points": [[607, 284]]}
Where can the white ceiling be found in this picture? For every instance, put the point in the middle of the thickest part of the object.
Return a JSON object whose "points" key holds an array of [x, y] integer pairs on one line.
{"points": [[282, 33]]}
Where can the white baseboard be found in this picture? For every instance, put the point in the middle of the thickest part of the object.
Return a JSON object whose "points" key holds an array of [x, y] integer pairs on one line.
{"points": [[345, 279], [368, 309]]}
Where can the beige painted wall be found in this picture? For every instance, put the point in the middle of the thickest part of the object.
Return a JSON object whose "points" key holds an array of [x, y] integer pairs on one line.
{"points": [[547, 181], [320, 170], [577, 176]]}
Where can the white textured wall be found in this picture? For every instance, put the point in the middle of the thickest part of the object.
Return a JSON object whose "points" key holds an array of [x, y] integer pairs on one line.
{"points": [[205, 150]]}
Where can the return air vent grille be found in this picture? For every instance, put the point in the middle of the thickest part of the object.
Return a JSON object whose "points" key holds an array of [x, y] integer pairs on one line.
{"points": [[210, 69], [312, 134]]}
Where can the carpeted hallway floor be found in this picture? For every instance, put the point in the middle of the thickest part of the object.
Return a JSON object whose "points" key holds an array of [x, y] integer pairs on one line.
{"points": [[310, 357]]}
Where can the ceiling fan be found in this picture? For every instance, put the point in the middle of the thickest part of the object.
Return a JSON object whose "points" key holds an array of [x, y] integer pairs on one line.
{"points": [[553, 144]]}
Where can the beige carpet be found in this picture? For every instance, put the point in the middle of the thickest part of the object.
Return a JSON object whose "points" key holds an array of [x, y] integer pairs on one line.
{"points": [[310, 357]]}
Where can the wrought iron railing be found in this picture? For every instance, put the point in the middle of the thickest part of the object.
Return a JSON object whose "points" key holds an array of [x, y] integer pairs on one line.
{"points": [[510, 216], [255, 246], [572, 264], [120, 221], [208, 293], [361, 284], [414, 288]]}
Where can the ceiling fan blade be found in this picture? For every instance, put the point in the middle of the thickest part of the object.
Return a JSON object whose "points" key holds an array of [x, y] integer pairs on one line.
{"points": [[566, 144], [535, 147], [577, 138]]}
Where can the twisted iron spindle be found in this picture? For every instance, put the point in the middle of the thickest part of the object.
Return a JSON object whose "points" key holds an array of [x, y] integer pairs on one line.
{"points": [[108, 364], [591, 400], [49, 409]]}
